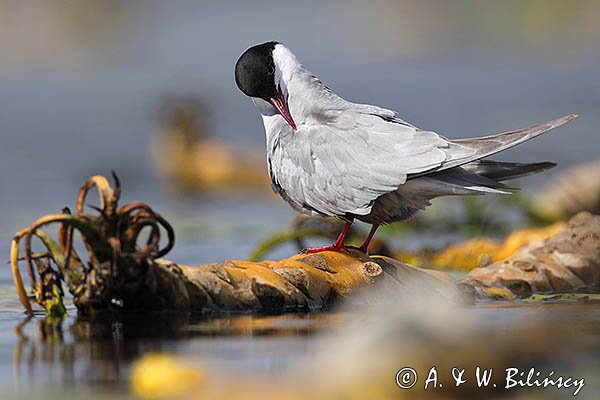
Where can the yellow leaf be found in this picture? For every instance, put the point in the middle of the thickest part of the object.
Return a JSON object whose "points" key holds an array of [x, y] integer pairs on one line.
{"points": [[160, 375]]}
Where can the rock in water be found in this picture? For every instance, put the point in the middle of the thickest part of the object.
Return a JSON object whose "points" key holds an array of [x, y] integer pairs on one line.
{"points": [[569, 261]]}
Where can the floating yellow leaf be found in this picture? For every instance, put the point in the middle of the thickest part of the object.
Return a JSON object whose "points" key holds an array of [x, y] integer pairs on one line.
{"points": [[160, 375]]}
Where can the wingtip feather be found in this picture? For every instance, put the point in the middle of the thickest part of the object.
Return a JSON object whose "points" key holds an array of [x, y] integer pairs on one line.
{"points": [[562, 120]]}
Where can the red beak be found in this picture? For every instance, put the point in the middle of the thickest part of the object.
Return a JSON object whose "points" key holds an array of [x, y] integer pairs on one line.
{"points": [[281, 105]]}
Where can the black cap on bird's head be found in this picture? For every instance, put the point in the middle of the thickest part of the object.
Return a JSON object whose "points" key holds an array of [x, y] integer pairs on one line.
{"points": [[255, 76], [255, 71]]}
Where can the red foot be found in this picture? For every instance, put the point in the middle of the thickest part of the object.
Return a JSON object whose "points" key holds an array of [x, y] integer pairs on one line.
{"points": [[337, 246], [333, 247]]}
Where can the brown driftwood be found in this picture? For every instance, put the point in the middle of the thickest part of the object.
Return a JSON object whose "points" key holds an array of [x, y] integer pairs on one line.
{"points": [[123, 274], [568, 261], [301, 282]]}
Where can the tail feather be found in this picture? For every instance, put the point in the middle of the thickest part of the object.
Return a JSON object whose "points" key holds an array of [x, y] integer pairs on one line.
{"points": [[501, 171], [460, 181], [482, 176], [488, 145]]}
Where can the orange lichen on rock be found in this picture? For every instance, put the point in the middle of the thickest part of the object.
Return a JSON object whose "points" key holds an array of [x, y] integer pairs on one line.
{"points": [[299, 282], [479, 252]]}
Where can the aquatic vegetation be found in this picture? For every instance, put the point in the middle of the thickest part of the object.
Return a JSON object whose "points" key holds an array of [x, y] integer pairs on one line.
{"points": [[110, 237]]}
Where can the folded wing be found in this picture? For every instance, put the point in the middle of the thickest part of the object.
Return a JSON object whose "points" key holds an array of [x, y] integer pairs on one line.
{"points": [[345, 163]]}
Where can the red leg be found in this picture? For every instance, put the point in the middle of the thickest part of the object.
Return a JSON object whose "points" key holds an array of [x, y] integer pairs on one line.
{"points": [[363, 247], [339, 243]]}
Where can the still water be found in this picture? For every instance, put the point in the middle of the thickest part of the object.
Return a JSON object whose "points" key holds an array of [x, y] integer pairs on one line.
{"points": [[79, 358]]}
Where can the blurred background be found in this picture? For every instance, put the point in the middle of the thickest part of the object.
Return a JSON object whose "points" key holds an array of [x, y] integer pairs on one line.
{"points": [[86, 87]]}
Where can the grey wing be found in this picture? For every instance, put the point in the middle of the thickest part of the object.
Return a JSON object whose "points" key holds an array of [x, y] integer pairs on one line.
{"points": [[482, 147], [342, 166]]}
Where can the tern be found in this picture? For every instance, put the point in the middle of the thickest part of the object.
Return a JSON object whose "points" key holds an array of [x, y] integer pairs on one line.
{"points": [[333, 157]]}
